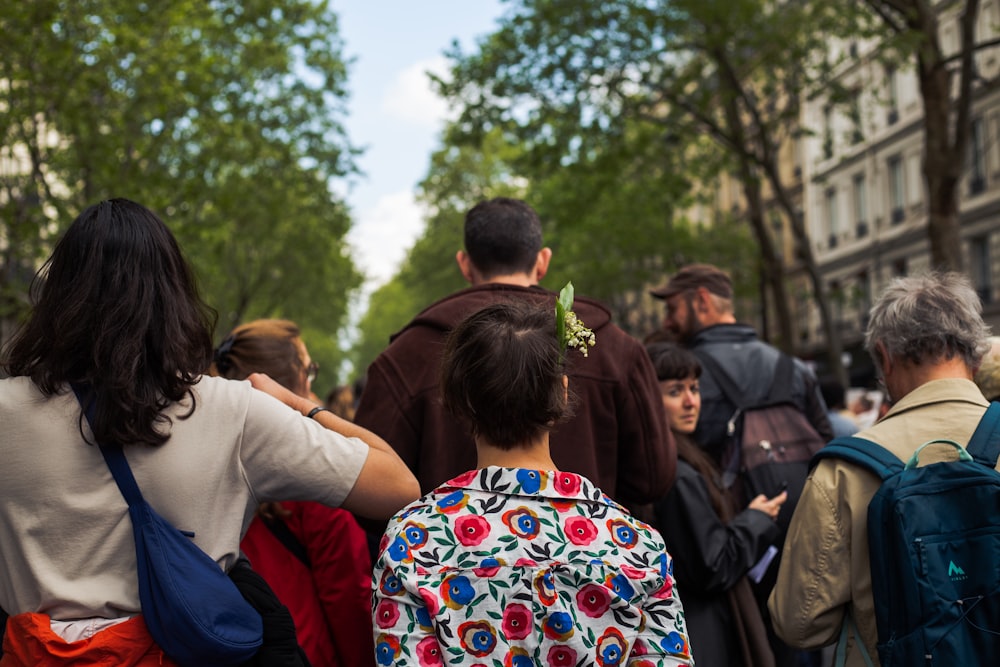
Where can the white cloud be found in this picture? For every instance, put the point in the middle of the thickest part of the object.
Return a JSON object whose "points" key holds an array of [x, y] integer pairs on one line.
{"points": [[410, 98], [383, 233]]}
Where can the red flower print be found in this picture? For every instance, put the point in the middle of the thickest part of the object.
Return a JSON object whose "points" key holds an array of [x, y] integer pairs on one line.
{"points": [[562, 505], [567, 484], [489, 567], [666, 590], [471, 529], [430, 601], [464, 479], [429, 653], [593, 600], [580, 530], [525, 562], [386, 613], [561, 655], [517, 621], [632, 572]]}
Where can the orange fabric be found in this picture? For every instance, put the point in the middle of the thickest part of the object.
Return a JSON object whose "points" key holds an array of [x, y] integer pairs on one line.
{"points": [[30, 642]]}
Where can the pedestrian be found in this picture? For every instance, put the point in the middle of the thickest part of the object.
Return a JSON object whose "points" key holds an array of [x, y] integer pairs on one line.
{"points": [[115, 310], [515, 561]]}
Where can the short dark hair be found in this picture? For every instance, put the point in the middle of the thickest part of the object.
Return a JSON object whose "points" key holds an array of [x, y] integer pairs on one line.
{"points": [[834, 394], [116, 307], [502, 373], [502, 236], [673, 362], [262, 346]]}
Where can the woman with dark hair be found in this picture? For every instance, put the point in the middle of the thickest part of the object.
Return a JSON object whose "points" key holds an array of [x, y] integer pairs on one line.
{"points": [[713, 546], [314, 557], [116, 312], [518, 563]]}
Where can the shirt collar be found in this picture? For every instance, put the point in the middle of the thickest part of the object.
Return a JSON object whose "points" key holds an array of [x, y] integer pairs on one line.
{"points": [[552, 484], [939, 391]]}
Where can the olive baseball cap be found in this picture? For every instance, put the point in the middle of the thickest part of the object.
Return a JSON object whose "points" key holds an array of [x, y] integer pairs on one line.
{"points": [[693, 276]]}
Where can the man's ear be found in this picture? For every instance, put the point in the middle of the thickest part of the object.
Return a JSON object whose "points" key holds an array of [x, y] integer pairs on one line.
{"points": [[542, 263], [702, 300], [464, 265], [885, 363]]}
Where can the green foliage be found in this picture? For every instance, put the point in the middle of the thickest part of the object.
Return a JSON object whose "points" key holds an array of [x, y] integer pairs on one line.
{"points": [[222, 116]]}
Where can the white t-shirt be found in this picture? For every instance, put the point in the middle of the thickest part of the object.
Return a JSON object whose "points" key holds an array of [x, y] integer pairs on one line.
{"points": [[66, 545]]}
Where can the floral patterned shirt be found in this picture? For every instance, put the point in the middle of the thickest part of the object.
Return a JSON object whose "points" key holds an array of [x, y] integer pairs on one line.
{"points": [[509, 567]]}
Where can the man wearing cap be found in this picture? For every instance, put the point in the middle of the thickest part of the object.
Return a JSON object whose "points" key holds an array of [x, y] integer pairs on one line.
{"points": [[618, 435], [699, 300]]}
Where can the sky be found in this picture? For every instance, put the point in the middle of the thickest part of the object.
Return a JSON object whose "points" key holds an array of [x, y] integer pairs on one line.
{"points": [[395, 116]]}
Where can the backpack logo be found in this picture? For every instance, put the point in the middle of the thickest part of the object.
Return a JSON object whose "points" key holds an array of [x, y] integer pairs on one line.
{"points": [[956, 573]]}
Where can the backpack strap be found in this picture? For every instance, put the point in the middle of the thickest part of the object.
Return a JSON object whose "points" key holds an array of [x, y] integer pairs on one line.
{"points": [[985, 442], [784, 379], [863, 452], [725, 382]]}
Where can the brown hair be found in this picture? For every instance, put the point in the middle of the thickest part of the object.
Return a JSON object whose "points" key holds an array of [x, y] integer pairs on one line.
{"points": [[502, 372], [262, 346]]}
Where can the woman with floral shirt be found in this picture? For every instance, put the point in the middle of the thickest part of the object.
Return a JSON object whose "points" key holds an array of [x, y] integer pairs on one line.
{"points": [[515, 563]]}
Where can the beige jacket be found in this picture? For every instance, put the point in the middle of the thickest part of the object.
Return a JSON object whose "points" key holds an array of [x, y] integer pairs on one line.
{"points": [[825, 565]]}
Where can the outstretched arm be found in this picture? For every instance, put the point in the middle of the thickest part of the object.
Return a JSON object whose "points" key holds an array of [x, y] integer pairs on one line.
{"points": [[384, 485]]}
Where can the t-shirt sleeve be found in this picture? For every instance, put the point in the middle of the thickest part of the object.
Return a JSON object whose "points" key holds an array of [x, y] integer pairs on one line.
{"points": [[286, 456]]}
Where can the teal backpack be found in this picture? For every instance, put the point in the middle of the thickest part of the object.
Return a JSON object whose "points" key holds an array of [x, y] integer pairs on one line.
{"points": [[934, 543]]}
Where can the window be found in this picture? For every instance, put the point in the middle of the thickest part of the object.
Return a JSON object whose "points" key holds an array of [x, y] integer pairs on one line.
{"points": [[897, 191], [860, 205], [831, 216], [864, 298], [857, 135], [892, 94], [979, 264], [827, 132], [977, 158]]}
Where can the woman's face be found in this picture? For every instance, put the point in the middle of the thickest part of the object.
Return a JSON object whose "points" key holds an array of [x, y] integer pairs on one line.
{"points": [[308, 372], [682, 402]]}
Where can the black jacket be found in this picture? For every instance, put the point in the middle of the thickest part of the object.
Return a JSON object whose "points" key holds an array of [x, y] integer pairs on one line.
{"points": [[710, 559]]}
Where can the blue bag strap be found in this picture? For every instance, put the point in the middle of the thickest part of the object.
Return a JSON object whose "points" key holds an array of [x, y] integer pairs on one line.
{"points": [[113, 455], [864, 452], [985, 442]]}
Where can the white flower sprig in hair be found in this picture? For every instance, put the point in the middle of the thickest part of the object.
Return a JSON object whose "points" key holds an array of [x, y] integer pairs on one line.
{"points": [[570, 330]]}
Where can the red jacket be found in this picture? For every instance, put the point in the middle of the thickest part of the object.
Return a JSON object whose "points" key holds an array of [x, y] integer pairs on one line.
{"points": [[618, 438], [331, 602]]}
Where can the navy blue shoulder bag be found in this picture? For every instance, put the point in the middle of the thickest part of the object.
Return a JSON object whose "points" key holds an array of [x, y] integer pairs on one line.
{"points": [[193, 610]]}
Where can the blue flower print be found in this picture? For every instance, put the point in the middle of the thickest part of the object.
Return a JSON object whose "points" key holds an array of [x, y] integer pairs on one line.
{"points": [[423, 618], [531, 480], [416, 535], [457, 591], [620, 585], [399, 550], [675, 644], [559, 626], [453, 502]]}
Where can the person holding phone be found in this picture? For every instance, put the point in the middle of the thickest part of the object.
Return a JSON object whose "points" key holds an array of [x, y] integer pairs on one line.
{"points": [[714, 547]]}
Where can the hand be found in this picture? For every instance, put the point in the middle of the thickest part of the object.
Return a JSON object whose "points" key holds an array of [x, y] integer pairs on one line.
{"points": [[265, 384], [769, 506]]}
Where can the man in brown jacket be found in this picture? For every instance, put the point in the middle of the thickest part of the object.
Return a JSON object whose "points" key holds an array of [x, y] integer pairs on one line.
{"points": [[926, 336], [617, 438]]}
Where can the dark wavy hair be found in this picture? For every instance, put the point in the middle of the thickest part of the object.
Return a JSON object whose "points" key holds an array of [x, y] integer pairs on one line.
{"points": [[116, 308], [502, 236], [502, 373]]}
